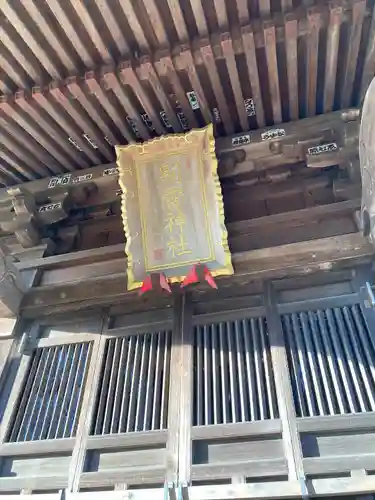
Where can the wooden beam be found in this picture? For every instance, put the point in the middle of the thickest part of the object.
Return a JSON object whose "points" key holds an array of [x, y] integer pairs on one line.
{"points": [[369, 63], [333, 40], [294, 132], [268, 263], [358, 15], [291, 36], [253, 73], [273, 72], [312, 46]]}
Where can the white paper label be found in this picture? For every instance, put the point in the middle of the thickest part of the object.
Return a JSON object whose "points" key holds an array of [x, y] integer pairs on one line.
{"points": [[82, 178], [249, 106], [164, 119], [216, 115], [241, 139], [147, 121], [50, 207], [322, 148], [90, 141], [110, 171], [75, 144], [193, 100], [133, 126], [274, 133], [62, 180]]}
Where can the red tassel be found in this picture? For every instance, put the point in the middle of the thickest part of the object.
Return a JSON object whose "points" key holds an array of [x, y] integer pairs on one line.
{"points": [[191, 277], [147, 285], [208, 277]]}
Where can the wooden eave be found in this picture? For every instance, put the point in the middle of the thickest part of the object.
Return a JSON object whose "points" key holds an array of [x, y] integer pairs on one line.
{"points": [[75, 83]]}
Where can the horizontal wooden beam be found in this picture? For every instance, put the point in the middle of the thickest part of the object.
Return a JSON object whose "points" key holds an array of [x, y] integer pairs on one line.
{"points": [[269, 263]]}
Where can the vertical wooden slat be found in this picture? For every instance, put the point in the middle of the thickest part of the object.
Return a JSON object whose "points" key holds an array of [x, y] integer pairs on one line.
{"points": [[273, 72], [234, 77], [291, 440], [369, 63], [258, 358], [312, 48], [129, 77], [186, 397], [147, 73], [291, 36], [323, 371], [313, 367], [304, 368], [250, 376], [165, 68], [164, 405], [119, 390], [93, 84], [64, 120], [232, 374], [330, 357], [24, 359], [174, 397], [178, 19], [358, 14], [299, 390], [200, 19], [127, 384], [360, 355], [57, 412], [350, 368], [221, 13], [150, 388], [184, 62], [143, 382], [207, 354], [113, 361], [253, 74], [134, 386], [28, 105], [111, 82], [209, 61], [82, 120], [86, 414], [333, 40], [77, 90], [224, 368]]}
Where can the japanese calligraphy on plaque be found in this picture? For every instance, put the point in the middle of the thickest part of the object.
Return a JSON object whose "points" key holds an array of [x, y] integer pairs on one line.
{"points": [[172, 207]]}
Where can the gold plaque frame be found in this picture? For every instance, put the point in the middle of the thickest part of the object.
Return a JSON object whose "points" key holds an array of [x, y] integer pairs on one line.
{"points": [[171, 191]]}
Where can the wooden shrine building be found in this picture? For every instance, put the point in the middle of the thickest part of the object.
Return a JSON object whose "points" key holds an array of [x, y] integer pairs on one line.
{"points": [[262, 389]]}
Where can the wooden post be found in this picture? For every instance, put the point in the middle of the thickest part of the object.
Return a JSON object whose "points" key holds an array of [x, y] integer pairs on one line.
{"points": [[292, 444]]}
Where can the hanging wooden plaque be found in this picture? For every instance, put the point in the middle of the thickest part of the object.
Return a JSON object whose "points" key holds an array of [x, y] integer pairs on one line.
{"points": [[172, 207]]}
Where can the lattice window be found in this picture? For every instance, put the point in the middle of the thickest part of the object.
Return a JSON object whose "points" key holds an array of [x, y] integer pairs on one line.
{"points": [[50, 400], [133, 393], [331, 357], [233, 378]]}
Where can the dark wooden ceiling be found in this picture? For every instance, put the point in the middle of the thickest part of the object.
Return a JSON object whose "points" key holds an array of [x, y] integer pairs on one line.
{"points": [[79, 76]]}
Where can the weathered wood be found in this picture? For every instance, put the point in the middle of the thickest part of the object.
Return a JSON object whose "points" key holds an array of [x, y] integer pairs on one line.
{"points": [[186, 393], [291, 440], [87, 408], [224, 431], [360, 422], [269, 263], [37, 447]]}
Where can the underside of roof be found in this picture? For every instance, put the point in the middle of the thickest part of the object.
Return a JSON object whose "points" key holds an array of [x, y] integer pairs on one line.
{"points": [[78, 77]]}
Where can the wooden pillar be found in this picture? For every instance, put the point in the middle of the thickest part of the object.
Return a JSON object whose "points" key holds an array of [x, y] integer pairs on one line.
{"points": [[291, 440], [180, 401]]}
